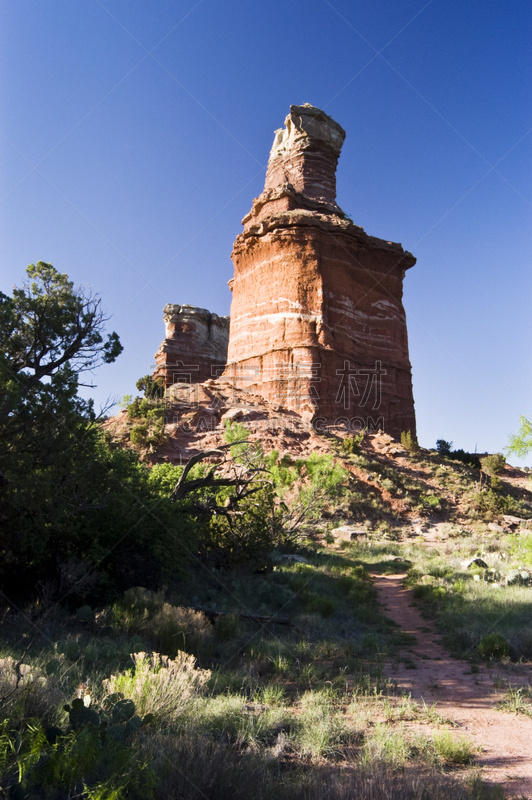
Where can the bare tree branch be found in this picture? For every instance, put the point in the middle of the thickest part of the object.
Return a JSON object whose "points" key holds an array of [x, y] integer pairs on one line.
{"points": [[184, 487]]}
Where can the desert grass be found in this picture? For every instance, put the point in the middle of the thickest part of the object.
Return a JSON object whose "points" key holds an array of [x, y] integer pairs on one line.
{"points": [[258, 710], [517, 700], [197, 768], [159, 685]]}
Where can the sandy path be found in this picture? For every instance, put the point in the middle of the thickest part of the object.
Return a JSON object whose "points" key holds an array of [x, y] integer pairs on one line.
{"points": [[466, 698]]}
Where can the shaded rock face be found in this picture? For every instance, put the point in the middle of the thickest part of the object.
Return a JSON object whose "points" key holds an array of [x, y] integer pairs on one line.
{"points": [[195, 345], [317, 320]]}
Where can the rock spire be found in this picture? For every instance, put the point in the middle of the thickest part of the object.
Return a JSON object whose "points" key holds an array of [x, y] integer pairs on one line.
{"points": [[317, 320]]}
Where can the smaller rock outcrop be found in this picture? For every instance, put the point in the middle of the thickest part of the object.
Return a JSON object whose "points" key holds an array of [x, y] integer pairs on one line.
{"points": [[195, 345]]}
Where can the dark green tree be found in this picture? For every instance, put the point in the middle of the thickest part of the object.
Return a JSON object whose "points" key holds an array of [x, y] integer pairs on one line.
{"points": [[443, 447], [47, 324], [75, 511]]}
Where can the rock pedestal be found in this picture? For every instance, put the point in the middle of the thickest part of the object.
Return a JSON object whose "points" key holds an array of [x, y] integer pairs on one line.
{"points": [[195, 345], [317, 320]]}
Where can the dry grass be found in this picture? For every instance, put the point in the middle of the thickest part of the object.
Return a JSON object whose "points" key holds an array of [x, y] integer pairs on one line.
{"points": [[27, 692], [159, 685], [194, 767], [175, 628]]}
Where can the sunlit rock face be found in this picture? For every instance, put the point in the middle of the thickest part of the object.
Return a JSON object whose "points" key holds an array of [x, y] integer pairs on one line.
{"points": [[195, 345], [317, 320]]}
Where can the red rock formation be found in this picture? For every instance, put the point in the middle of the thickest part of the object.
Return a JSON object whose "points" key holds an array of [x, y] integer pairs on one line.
{"points": [[195, 345], [317, 321]]}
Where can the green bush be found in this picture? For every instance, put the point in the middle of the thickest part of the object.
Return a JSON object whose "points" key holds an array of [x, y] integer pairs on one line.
{"points": [[351, 444], [490, 501], [409, 442], [456, 750], [494, 464], [109, 529], [139, 433], [283, 496], [444, 448], [469, 459], [493, 645], [430, 501]]}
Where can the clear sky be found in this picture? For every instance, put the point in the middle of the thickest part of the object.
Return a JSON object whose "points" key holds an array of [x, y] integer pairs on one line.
{"points": [[136, 133]]}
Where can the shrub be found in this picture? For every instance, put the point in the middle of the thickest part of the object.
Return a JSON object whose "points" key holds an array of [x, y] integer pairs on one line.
{"points": [[452, 749], [469, 459], [159, 685], [409, 442], [351, 444], [175, 628], [138, 599], [488, 501], [494, 464], [139, 434], [150, 431], [430, 501], [89, 760], [26, 692], [227, 627], [493, 645], [130, 614]]}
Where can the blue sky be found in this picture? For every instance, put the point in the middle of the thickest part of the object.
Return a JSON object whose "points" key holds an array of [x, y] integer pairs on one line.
{"points": [[135, 135]]}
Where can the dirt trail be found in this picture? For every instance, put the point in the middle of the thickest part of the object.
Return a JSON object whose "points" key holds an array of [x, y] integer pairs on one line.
{"points": [[466, 698]]}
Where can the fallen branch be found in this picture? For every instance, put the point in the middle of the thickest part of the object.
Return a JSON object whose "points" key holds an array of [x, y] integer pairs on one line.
{"points": [[211, 614]]}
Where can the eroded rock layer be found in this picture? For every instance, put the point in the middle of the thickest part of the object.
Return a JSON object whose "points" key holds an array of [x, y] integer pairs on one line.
{"points": [[317, 320], [195, 345]]}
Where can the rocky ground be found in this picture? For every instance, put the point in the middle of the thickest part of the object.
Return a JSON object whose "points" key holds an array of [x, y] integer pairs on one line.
{"points": [[196, 416]]}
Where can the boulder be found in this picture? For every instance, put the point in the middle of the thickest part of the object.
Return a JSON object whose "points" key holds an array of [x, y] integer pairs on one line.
{"points": [[232, 415], [474, 562], [348, 532], [517, 576], [494, 526], [289, 558], [513, 521]]}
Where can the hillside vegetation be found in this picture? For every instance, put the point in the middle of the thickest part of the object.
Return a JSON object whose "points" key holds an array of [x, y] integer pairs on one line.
{"points": [[210, 629]]}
